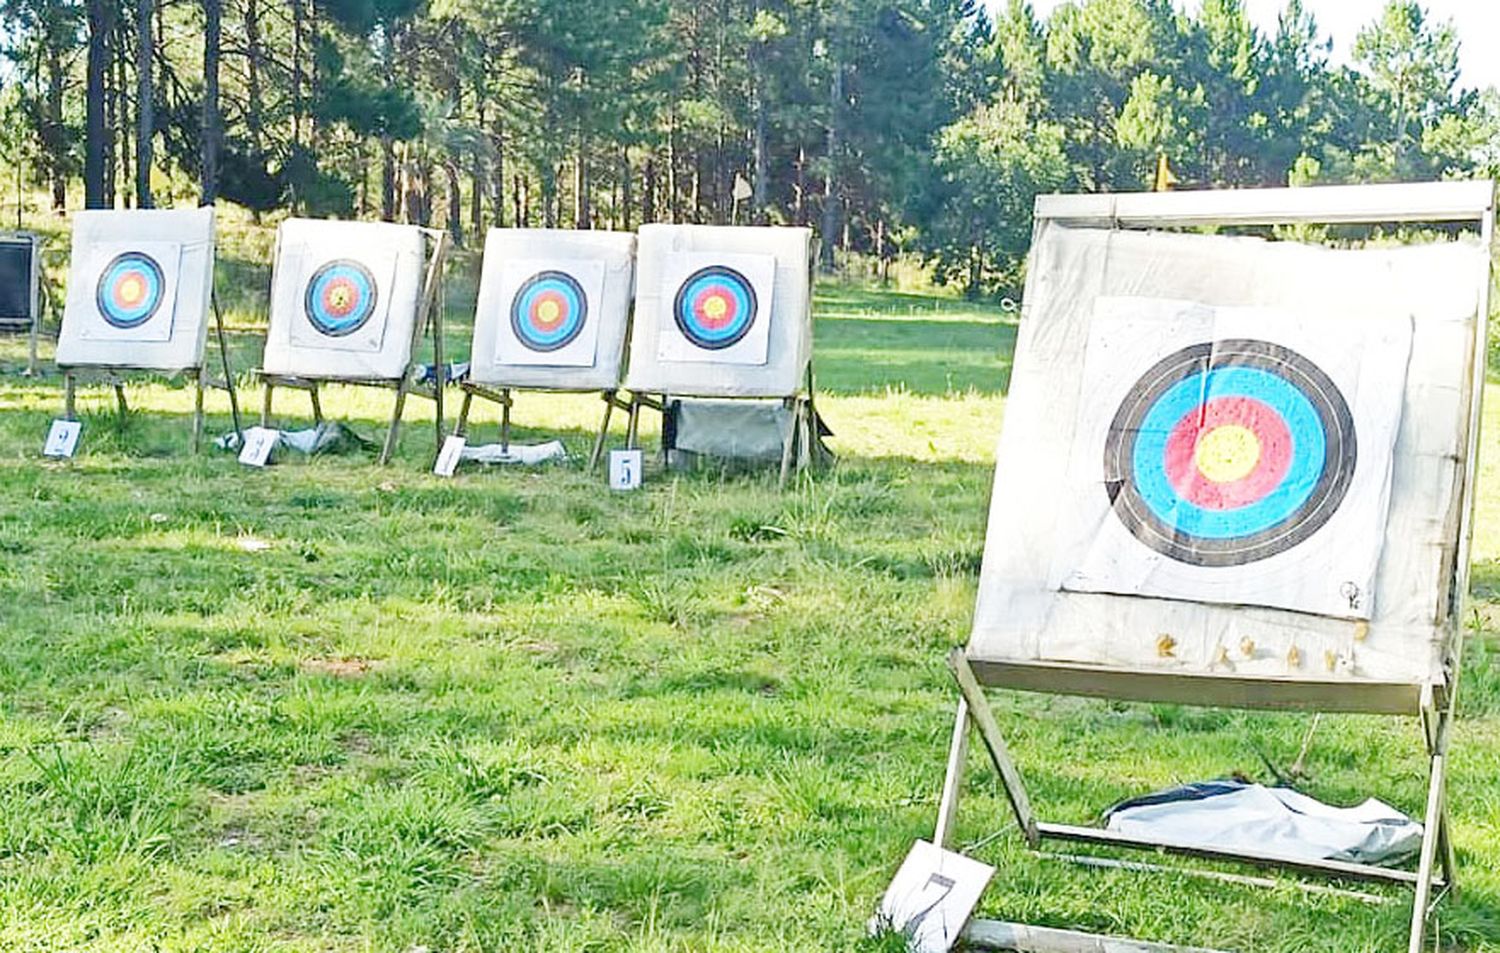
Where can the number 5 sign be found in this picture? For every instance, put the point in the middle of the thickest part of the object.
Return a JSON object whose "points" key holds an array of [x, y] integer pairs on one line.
{"points": [[625, 469]]}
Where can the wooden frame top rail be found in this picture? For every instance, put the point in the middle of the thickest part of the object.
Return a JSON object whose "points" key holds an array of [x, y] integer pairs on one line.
{"points": [[1319, 205]]}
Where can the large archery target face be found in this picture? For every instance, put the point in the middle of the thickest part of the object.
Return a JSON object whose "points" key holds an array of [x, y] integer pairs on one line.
{"points": [[720, 309], [1229, 452], [343, 300], [552, 312], [1232, 455], [132, 290]]}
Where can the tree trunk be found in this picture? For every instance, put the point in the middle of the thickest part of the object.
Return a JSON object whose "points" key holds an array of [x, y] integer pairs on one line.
{"points": [[387, 179], [455, 203], [145, 108], [95, 152], [581, 213], [122, 114], [648, 196], [297, 71], [212, 125], [254, 107], [831, 183], [627, 198], [54, 134]]}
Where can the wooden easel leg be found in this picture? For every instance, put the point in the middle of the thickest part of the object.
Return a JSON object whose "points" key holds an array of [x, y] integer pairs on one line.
{"points": [[394, 433], [666, 451], [120, 401], [788, 447], [70, 396], [317, 404], [265, 403], [633, 426], [599, 441], [505, 404], [198, 412], [229, 385], [462, 430], [953, 780], [994, 743], [1430, 837]]}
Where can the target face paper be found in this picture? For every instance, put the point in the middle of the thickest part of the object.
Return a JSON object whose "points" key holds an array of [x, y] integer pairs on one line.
{"points": [[552, 312], [344, 300], [133, 290], [1231, 455], [720, 309]]}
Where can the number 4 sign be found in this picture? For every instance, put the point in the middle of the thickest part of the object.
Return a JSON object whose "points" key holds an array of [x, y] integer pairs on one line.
{"points": [[933, 896]]}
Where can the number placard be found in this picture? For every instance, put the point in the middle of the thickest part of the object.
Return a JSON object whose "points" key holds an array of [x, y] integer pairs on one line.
{"points": [[625, 468], [62, 439], [259, 442], [933, 896], [449, 456]]}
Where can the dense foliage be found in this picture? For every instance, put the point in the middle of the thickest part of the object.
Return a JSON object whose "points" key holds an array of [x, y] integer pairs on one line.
{"points": [[893, 126]]}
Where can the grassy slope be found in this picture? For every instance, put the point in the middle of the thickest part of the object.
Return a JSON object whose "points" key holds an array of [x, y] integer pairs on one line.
{"points": [[514, 711]]}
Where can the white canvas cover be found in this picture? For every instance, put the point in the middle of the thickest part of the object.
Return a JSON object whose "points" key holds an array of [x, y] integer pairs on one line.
{"points": [[763, 274], [139, 289], [592, 271], [344, 299], [1027, 614]]}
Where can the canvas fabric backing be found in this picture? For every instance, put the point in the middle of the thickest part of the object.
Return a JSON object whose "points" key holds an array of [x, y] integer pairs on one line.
{"points": [[81, 343], [1021, 618], [790, 344]]}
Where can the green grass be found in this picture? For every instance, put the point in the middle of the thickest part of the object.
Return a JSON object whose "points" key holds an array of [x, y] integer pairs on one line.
{"points": [[330, 707]]}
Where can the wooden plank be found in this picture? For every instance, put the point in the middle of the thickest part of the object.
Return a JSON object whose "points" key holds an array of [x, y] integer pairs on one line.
{"points": [[1326, 868], [1224, 691], [953, 778], [1346, 204], [994, 742], [1024, 938]]}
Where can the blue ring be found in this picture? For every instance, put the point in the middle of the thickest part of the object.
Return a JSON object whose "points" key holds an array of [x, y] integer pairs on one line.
{"points": [[557, 282], [1309, 450], [365, 286], [738, 287]]}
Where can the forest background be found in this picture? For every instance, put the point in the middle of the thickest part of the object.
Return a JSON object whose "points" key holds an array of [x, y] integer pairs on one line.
{"points": [[899, 129]]}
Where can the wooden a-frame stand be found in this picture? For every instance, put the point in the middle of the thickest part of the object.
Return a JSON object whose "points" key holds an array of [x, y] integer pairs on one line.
{"points": [[505, 397], [798, 448], [202, 381], [1435, 704], [429, 318]]}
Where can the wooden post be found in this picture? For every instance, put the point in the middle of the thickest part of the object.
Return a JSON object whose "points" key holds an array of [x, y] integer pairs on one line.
{"points": [[599, 441], [198, 410]]}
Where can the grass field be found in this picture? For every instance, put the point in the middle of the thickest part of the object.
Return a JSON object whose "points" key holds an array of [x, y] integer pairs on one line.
{"points": [[329, 707]]}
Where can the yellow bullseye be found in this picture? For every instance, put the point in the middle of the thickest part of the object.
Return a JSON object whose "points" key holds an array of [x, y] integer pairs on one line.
{"points": [[1227, 454], [549, 312], [132, 290], [715, 308], [340, 298]]}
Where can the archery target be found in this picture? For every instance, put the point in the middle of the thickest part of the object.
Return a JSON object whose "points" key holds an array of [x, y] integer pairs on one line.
{"points": [[551, 312], [1233, 455], [1229, 452], [132, 290], [720, 309], [343, 299]]}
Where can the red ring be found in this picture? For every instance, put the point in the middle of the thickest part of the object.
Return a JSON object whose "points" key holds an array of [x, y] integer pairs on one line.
{"points": [[1256, 416], [709, 322]]}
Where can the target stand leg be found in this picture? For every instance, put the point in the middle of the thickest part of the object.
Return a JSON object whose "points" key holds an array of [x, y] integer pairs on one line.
{"points": [[123, 406], [265, 401], [317, 403], [198, 412], [70, 396], [464, 409], [394, 434], [599, 441], [505, 406]]}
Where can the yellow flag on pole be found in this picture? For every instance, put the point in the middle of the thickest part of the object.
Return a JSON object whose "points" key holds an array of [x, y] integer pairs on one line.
{"points": [[1164, 177]]}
